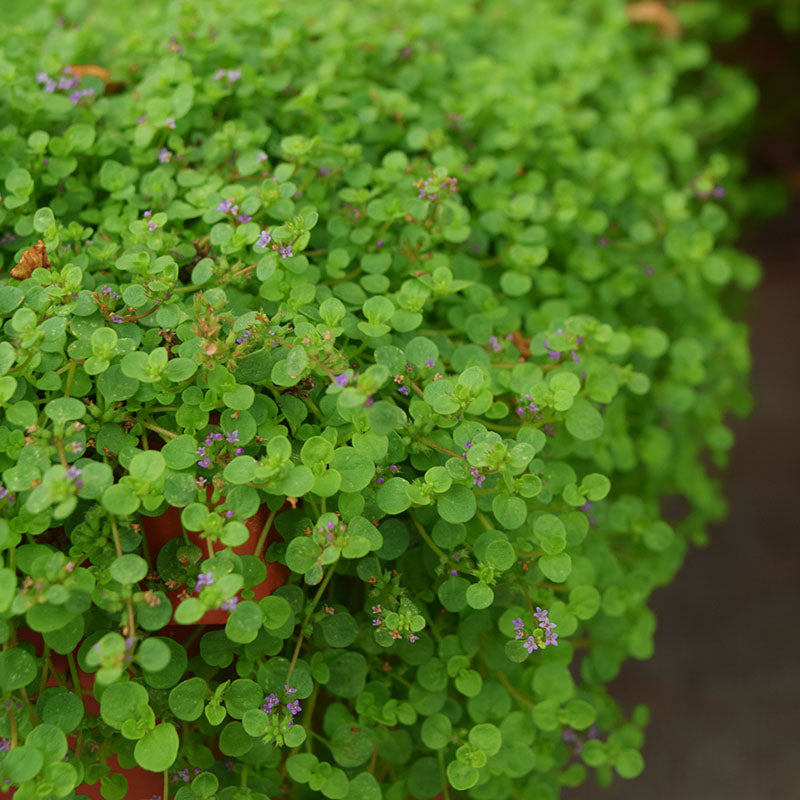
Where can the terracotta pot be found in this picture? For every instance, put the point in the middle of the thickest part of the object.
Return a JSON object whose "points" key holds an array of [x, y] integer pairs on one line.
{"points": [[159, 530], [142, 784]]}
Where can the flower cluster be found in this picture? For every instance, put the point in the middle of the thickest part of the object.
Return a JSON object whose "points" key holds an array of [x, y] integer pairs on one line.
{"points": [[540, 637], [216, 446], [273, 702], [232, 75]]}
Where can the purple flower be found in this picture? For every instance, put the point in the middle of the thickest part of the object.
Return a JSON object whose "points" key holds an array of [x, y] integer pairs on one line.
{"points": [[294, 707], [342, 380], [288, 689], [148, 212], [230, 604], [201, 451], [518, 624], [50, 85], [403, 390], [477, 478], [261, 157], [41, 77], [430, 363], [3, 492], [379, 243], [170, 123], [540, 614], [204, 462], [4, 744], [551, 638], [530, 644], [116, 318], [467, 445], [718, 191], [286, 252], [454, 572], [77, 447], [270, 701], [244, 218], [164, 155], [369, 402], [377, 620], [229, 513], [241, 339], [232, 437], [496, 346], [239, 451], [204, 579], [142, 119], [152, 226], [412, 637], [234, 75], [219, 74], [73, 473], [225, 205], [264, 239]]}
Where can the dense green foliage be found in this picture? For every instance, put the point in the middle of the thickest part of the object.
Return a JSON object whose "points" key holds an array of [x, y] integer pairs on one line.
{"points": [[455, 277]]}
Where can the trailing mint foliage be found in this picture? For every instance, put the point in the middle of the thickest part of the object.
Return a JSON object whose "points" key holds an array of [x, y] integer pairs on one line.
{"points": [[440, 291]]}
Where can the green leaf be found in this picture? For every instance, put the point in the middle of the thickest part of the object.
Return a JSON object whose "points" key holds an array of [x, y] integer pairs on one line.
{"points": [[187, 699], [583, 421], [457, 504], [355, 468], [17, 669], [157, 750], [436, 732], [65, 409], [462, 776], [479, 595], [120, 702], [629, 763], [128, 569], [392, 496], [556, 568], [23, 763]]}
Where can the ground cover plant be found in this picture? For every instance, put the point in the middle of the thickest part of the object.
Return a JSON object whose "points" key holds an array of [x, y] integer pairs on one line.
{"points": [[364, 368]]}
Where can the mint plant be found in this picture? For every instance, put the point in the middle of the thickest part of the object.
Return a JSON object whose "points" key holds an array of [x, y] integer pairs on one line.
{"points": [[421, 315]]}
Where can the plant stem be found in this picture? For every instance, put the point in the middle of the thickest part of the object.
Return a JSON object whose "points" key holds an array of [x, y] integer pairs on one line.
{"points": [[445, 784], [427, 539], [438, 447], [521, 697], [262, 539], [127, 600], [314, 602], [158, 429]]}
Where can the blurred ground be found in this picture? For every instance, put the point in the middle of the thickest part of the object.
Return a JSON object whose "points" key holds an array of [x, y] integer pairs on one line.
{"points": [[724, 684]]}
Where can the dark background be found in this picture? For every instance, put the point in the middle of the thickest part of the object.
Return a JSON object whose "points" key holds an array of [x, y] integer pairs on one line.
{"points": [[724, 684]]}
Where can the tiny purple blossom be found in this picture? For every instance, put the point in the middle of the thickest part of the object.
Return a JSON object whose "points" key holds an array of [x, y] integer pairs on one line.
{"points": [[294, 707], [518, 624], [164, 155], [412, 637], [4, 745], [42, 77], [170, 123], [430, 363], [232, 437], [152, 225], [50, 86], [225, 205], [219, 74], [264, 238], [204, 579], [342, 379], [141, 120], [494, 342], [230, 604], [244, 218], [403, 390], [234, 75], [286, 251], [239, 451], [148, 213], [288, 689], [530, 644], [261, 157], [229, 513]]}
